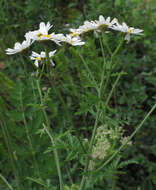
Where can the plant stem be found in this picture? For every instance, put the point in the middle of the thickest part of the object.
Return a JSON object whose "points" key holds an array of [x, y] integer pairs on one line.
{"points": [[5, 181], [6, 138], [113, 184], [82, 184], [66, 110], [110, 94], [111, 61], [90, 147], [89, 72], [28, 136], [56, 156], [107, 45], [47, 127]]}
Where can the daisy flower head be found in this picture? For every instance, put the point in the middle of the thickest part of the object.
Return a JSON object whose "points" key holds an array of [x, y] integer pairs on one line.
{"points": [[74, 41], [57, 38], [19, 47], [38, 58], [105, 23], [41, 33], [88, 26], [127, 30], [75, 32]]}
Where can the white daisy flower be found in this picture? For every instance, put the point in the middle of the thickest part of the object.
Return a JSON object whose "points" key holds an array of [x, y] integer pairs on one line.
{"points": [[74, 41], [41, 33], [19, 47], [75, 32], [126, 29], [39, 57], [105, 23], [88, 26], [57, 38]]}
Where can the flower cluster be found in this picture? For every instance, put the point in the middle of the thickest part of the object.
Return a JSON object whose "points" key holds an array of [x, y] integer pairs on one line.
{"points": [[74, 38], [43, 34], [104, 25], [106, 142]]}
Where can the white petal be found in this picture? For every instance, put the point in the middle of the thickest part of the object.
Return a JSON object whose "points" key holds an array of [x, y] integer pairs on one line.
{"points": [[48, 26], [42, 25], [32, 58], [17, 45], [51, 61], [43, 54], [101, 18], [43, 28], [10, 51], [36, 63], [137, 31], [108, 19], [125, 27], [114, 21], [51, 53], [127, 37], [35, 54], [78, 43]]}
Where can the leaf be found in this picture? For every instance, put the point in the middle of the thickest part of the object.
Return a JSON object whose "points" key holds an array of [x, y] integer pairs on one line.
{"points": [[15, 115], [38, 181], [126, 163]]}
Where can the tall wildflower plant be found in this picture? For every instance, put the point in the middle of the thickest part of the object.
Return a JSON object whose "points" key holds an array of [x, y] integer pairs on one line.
{"points": [[105, 143]]}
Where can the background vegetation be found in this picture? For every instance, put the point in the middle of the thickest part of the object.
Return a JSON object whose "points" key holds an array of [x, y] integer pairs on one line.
{"points": [[24, 150]]}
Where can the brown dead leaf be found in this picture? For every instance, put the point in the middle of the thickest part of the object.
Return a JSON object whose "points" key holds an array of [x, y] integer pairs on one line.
{"points": [[147, 1], [2, 65]]}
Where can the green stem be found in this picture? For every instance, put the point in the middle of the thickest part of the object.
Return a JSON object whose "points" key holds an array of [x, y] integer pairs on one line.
{"points": [[111, 61], [107, 45], [47, 61], [90, 148], [114, 85], [47, 128], [28, 136], [56, 156], [89, 72], [131, 136], [113, 184], [38, 181], [82, 184], [7, 141], [66, 109], [5, 181], [104, 68]]}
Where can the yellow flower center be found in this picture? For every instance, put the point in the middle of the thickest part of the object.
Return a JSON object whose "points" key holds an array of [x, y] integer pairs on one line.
{"points": [[102, 26], [87, 29], [39, 35], [130, 30], [74, 34], [71, 41], [38, 58], [64, 39], [47, 35]]}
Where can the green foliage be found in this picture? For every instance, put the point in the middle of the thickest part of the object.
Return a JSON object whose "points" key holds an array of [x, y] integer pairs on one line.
{"points": [[71, 99]]}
